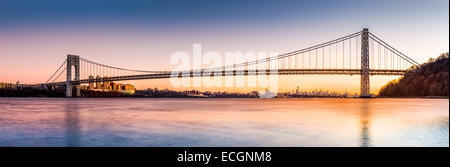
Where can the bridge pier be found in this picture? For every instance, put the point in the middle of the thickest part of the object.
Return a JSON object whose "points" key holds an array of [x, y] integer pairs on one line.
{"points": [[365, 83], [73, 60]]}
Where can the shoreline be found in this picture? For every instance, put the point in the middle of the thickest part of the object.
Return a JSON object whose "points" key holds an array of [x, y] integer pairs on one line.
{"points": [[421, 97]]}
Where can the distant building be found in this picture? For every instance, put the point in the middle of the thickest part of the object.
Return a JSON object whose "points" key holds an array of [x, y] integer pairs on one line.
{"points": [[106, 85], [98, 85], [7, 85], [267, 94], [91, 84], [109, 86], [128, 89], [113, 86], [84, 87]]}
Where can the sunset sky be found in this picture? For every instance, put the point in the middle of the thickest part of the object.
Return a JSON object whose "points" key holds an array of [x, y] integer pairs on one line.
{"points": [[36, 36]]}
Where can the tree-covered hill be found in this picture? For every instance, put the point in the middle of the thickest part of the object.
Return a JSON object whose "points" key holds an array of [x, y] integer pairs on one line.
{"points": [[430, 79]]}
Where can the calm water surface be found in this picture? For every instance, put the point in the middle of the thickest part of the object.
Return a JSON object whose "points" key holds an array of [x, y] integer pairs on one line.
{"points": [[224, 122]]}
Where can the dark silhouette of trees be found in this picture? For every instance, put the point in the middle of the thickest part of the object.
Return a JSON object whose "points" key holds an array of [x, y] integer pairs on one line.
{"points": [[429, 79], [30, 92]]}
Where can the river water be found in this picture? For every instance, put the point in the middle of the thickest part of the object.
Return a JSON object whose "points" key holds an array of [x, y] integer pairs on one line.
{"points": [[224, 122]]}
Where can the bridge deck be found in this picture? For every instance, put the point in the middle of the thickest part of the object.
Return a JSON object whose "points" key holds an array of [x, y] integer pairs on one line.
{"points": [[236, 73]]}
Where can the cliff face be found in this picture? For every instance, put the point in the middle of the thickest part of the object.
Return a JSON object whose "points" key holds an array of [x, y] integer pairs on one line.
{"points": [[430, 79]]}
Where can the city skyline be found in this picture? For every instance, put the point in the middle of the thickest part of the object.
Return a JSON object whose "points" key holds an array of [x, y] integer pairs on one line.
{"points": [[145, 34]]}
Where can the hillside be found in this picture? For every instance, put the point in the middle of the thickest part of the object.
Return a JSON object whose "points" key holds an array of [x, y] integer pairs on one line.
{"points": [[430, 79]]}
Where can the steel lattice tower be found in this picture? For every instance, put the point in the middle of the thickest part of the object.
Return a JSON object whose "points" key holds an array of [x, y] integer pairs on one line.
{"points": [[365, 83]]}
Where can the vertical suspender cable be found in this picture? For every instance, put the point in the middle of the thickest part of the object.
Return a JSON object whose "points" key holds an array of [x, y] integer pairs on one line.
{"points": [[336, 57], [317, 64], [357, 53], [329, 57], [350, 52], [343, 54], [323, 59], [309, 53]]}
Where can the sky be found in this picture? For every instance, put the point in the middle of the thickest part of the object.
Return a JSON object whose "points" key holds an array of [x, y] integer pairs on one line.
{"points": [[36, 36]]}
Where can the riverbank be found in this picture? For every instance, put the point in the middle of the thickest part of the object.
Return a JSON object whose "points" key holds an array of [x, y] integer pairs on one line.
{"points": [[430, 79], [196, 97]]}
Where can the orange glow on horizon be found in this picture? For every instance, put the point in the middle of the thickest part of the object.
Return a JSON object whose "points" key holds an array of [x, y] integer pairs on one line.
{"points": [[289, 83]]}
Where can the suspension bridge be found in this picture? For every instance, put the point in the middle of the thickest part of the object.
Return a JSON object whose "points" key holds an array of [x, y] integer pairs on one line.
{"points": [[361, 53]]}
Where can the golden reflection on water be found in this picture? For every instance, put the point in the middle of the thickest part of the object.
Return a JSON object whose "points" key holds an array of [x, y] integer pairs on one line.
{"points": [[224, 122], [365, 124]]}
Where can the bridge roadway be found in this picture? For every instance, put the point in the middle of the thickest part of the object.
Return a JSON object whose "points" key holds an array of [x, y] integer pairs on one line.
{"points": [[204, 73]]}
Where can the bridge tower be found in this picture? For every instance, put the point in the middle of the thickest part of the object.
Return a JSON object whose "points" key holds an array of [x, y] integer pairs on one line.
{"points": [[73, 60], [365, 84]]}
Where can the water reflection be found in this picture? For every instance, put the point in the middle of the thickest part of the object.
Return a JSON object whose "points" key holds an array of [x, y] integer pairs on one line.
{"points": [[224, 122], [72, 126], [365, 123]]}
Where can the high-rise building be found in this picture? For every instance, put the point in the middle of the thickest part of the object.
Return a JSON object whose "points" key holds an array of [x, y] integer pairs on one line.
{"points": [[114, 86], [119, 87], [98, 84], [91, 82], [6, 85], [105, 85]]}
